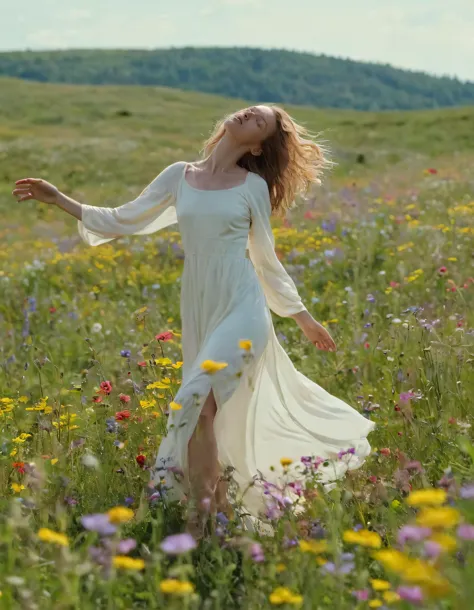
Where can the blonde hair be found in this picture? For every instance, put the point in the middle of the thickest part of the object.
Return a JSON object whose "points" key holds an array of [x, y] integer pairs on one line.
{"points": [[291, 159]]}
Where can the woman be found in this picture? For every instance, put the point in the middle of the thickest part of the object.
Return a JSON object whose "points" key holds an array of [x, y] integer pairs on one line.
{"points": [[242, 405]]}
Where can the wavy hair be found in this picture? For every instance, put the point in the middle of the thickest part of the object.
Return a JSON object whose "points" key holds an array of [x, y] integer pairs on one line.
{"points": [[291, 159]]}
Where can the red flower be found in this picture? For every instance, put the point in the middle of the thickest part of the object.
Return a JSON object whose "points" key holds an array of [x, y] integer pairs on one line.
{"points": [[52, 310], [309, 215], [432, 170], [442, 269], [366, 345], [124, 398], [105, 387], [19, 467], [394, 284], [385, 451], [122, 415], [166, 336], [140, 460], [452, 420], [373, 479], [142, 363], [97, 399]]}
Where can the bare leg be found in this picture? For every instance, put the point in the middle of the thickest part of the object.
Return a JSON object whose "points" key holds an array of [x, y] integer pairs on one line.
{"points": [[203, 465]]}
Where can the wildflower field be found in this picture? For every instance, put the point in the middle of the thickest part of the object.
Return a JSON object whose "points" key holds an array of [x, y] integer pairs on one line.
{"points": [[90, 362]]}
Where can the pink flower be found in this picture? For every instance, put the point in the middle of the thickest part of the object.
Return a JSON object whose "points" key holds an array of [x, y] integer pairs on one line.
{"points": [[385, 451], [411, 594], [466, 531], [166, 336], [124, 398], [442, 269], [105, 387]]}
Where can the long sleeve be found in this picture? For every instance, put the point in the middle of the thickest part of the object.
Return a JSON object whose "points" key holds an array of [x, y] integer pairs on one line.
{"points": [[152, 210], [279, 288]]}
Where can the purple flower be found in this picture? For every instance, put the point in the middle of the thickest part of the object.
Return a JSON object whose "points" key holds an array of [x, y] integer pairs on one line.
{"points": [[412, 533], [466, 531], [405, 397], [256, 552], [411, 594], [178, 544], [125, 353], [99, 523], [125, 546], [432, 549], [362, 595], [467, 492]]}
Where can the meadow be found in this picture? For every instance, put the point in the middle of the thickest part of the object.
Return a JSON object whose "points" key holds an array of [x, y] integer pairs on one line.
{"points": [[90, 359]]}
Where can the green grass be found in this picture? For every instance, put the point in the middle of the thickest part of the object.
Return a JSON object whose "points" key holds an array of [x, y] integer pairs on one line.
{"points": [[375, 277]]}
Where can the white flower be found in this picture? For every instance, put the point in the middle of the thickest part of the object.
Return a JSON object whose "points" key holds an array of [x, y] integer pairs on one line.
{"points": [[96, 327], [90, 461], [396, 321]]}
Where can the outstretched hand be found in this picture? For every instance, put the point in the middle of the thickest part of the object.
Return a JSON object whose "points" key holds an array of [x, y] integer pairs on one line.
{"points": [[35, 188]]}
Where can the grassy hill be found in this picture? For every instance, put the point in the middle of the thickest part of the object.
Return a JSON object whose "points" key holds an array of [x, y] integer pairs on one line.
{"points": [[251, 73]]}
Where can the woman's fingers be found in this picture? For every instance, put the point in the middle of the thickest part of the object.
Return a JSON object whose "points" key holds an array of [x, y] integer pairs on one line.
{"points": [[28, 181]]}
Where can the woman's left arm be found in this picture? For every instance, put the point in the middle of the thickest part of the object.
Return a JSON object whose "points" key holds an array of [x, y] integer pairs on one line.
{"points": [[279, 288]]}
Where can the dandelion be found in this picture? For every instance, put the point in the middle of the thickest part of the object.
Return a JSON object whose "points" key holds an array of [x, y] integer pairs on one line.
{"points": [[211, 367], [120, 514], [172, 586], [445, 516], [17, 488], [128, 563], [379, 585], [283, 595], [421, 497], [375, 603], [47, 535], [313, 546], [363, 538]]}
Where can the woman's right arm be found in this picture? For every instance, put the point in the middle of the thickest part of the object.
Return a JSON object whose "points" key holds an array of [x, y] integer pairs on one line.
{"points": [[151, 211]]}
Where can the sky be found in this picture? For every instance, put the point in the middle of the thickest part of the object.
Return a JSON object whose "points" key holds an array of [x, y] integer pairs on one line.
{"points": [[434, 36]]}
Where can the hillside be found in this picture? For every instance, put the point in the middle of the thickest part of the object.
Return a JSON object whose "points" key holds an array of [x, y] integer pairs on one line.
{"points": [[261, 75]]}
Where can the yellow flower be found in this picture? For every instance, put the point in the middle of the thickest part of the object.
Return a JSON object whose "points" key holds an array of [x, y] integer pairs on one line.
{"points": [[245, 344], [421, 497], [17, 487], [379, 585], [285, 462], [363, 537], [176, 587], [175, 406], [445, 516], [280, 567], [446, 542], [392, 560], [211, 367], [120, 514], [22, 438], [282, 595], [375, 603], [47, 535], [313, 546], [54, 461], [128, 563], [390, 597]]}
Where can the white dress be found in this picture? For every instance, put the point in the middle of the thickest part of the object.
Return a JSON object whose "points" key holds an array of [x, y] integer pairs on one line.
{"points": [[266, 409]]}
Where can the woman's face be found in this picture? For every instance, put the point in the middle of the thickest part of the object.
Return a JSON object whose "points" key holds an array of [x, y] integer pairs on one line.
{"points": [[252, 125]]}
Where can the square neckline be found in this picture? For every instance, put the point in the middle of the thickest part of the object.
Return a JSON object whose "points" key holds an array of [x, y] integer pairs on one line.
{"points": [[183, 177]]}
